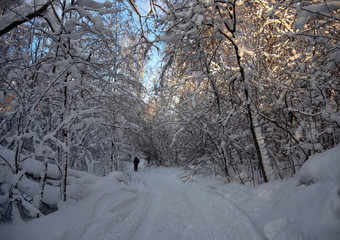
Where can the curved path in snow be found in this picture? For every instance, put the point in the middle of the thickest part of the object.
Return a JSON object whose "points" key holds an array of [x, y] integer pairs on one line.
{"points": [[160, 206], [156, 206]]}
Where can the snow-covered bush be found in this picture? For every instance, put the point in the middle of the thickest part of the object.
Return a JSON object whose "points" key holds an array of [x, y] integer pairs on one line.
{"points": [[322, 167]]}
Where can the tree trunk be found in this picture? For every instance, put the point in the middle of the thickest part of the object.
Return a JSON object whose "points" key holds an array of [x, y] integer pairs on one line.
{"points": [[256, 131], [65, 165], [64, 177], [15, 213], [262, 153], [42, 186]]}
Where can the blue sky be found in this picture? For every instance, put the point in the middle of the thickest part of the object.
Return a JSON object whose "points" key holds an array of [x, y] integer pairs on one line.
{"points": [[154, 65]]}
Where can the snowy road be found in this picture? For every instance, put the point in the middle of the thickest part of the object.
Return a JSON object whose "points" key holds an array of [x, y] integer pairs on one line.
{"points": [[156, 205], [175, 210]]}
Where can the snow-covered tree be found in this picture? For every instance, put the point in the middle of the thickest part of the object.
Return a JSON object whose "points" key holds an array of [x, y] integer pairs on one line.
{"points": [[67, 88], [256, 95]]}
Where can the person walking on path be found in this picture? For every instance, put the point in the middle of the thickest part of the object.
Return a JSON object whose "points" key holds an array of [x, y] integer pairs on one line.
{"points": [[135, 163]]}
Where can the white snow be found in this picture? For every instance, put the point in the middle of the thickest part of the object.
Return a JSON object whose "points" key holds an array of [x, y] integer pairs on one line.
{"points": [[2, 96], [85, 3], [207, 2], [322, 167], [300, 22], [320, 8], [296, 208], [199, 20], [272, 228], [313, 10], [155, 203], [98, 24], [35, 168], [70, 25], [21, 12]]}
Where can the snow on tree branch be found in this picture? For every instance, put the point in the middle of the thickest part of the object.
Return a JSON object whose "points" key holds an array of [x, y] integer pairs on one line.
{"points": [[22, 14]]}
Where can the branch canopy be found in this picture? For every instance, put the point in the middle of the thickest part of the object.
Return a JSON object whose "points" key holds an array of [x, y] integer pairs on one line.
{"points": [[22, 14]]}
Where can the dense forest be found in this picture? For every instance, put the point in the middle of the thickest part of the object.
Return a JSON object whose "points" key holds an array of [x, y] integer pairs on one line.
{"points": [[244, 89]]}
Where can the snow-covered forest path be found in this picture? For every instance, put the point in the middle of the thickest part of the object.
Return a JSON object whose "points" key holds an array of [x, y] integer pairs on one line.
{"points": [[156, 204], [177, 210]]}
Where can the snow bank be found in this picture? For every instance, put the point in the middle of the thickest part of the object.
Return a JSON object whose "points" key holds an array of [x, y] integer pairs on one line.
{"points": [[79, 184], [74, 218], [35, 168], [303, 207], [322, 167], [119, 176]]}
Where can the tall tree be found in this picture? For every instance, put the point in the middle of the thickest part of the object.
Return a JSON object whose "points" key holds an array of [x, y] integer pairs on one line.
{"points": [[70, 86], [239, 69]]}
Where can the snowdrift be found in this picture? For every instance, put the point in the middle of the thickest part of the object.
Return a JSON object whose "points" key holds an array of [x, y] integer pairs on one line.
{"points": [[322, 167], [303, 207], [79, 185]]}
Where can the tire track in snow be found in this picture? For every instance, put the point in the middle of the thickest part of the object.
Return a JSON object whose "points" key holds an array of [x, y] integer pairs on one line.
{"points": [[159, 206], [183, 211], [220, 216], [126, 214], [224, 214], [107, 210]]}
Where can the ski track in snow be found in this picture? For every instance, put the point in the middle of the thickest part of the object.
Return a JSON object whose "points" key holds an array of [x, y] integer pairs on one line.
{"points": [[157, 205], [184, 211], [163, 207]]}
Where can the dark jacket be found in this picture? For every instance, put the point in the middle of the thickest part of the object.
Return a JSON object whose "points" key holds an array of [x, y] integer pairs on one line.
{"points": [[136, 161]]}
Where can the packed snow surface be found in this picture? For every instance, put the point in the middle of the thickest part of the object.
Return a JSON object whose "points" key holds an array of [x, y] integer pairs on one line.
{"points": [[158, 203]]}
